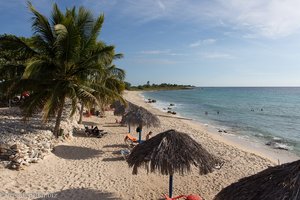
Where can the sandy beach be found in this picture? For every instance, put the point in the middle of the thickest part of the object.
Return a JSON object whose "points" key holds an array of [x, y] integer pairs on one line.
{"points": [[93, 168]]}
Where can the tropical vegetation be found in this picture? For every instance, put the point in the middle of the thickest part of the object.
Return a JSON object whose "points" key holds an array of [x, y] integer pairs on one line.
{"points": [[162, 86], [62, 62]]}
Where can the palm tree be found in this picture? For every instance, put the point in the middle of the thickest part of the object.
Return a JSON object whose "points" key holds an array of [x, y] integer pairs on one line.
{"points": [[64, 54], [108, 85]]}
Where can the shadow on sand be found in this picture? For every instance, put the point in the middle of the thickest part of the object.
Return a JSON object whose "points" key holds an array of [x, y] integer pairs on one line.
{"points": [[115, 145], [112, 126], [79, 194], [113, 159], [88, 123], [79, 133], [76, 153]]}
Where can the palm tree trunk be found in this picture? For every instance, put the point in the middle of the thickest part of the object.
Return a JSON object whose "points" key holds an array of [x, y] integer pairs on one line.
{"points": [[58, 118], [81, 113]]}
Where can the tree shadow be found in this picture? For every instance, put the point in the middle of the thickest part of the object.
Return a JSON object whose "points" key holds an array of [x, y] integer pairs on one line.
{"points": [[116, 152], [79, 194], [79, 133], [88, 123], [112, 126], [75, 152], [113, 123], [113, 159], [115, 145]]}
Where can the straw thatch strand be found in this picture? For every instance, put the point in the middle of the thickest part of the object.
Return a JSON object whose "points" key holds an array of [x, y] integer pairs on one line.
{"points": [[120, 109], [140, 117], [281, 182], [171, 152]]}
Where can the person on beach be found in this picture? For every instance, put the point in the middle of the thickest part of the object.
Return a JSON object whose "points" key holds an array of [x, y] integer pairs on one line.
{"points": [[95, 129], [149, 135]]}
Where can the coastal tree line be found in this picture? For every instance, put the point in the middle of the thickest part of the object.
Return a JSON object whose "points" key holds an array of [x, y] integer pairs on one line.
{"points": [[162, 86], [64, 60]]}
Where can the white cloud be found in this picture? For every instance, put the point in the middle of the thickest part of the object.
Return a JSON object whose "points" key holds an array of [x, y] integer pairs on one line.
{"points": [[155, 52], [249, 36], [267, 18], [216, 55], [154, 61], [161, 5], [166, 52], [203, 42], [272, 18]]}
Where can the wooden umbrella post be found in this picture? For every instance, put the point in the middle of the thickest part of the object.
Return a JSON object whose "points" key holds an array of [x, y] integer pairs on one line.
{"points": [[140, 136]]}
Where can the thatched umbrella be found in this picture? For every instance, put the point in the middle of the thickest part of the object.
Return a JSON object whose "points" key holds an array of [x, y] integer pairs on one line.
{"points": [[121, 109], [140, 117], [281, 182], [171, 152]]}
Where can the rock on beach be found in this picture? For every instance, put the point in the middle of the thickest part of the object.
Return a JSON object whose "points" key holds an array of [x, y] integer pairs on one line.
{"points": [[22, 143]]}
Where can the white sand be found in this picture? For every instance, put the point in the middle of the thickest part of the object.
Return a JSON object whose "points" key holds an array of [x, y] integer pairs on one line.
{"points": [[92, 168]]}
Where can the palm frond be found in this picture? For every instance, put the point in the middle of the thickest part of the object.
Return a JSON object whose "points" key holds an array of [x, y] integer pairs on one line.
{"points": [[39, 69], [96, 28], [34, 103], [57, 16], [15, 44], [41, 25], [118, 56], [117, 72]]}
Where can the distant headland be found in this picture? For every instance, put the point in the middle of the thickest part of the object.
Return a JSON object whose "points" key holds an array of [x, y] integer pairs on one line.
{"points": [[162, 86]]}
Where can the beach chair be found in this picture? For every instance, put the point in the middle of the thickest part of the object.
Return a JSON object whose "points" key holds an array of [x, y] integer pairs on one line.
{"points": [[186, 197], [94, 132], [130, 140], [125, 153]]}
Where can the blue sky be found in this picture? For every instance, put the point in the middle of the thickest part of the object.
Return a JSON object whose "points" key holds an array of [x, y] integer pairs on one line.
{"points": [[198, 42]]}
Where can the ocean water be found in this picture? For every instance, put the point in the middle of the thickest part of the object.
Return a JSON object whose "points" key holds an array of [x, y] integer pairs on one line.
{"points": [[266, 115]]}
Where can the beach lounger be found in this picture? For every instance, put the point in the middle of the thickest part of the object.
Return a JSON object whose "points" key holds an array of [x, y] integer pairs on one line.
{"points": [[94, 132], [125, 153], [186, 197], [130, 140]]}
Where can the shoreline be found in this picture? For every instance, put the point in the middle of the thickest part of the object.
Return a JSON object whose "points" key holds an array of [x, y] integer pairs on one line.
{"points": [[277, 156]]}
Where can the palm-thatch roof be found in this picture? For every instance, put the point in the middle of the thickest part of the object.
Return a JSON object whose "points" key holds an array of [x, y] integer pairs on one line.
{"points": [[120, 109], [140, 117], [171, 152], [281, 182]]}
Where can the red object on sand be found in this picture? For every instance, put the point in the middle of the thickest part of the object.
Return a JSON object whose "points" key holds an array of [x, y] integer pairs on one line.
{"points": [[189, 197], [193, 197], [25, 94], [88, 114]]}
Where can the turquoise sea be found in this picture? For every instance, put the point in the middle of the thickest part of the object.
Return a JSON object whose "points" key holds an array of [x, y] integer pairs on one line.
{"points": [[268, 115]]}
